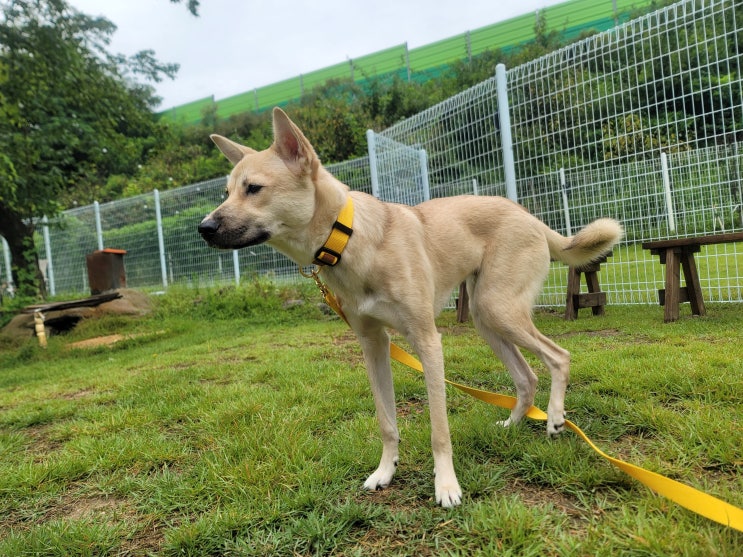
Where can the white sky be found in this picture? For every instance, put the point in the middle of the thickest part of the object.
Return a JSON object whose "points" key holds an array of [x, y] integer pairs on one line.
{"points": [[236, 45]]}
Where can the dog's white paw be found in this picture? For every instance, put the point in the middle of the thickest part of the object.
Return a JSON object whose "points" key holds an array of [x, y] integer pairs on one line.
{"points": [[448, 494], [381, 477], [555, 426], [504, 423]]}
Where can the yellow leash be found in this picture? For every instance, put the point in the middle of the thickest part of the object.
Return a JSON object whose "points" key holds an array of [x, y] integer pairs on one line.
{"points": [[688, 497]]}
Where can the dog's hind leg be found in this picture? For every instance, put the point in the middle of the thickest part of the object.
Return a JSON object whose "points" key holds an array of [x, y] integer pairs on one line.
{"points": [[505, 322], [522, 375], [375, 344], [557, 361]]}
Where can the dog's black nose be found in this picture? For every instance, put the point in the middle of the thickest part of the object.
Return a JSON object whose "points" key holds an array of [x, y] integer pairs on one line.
{"points": [[208, 228]]}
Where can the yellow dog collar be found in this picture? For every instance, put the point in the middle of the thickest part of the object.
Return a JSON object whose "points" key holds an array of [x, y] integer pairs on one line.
{"points": [[330, 252]]}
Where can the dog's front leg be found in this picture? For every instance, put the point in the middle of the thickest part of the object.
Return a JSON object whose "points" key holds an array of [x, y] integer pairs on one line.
{"points": [[448, 492], [375, 344]]}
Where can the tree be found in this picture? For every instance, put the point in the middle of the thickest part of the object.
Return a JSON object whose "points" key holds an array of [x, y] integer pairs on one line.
{"points": [[70, 114], [192, 5]]}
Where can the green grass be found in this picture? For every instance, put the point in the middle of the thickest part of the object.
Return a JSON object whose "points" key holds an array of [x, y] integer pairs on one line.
{"points": [[253, 435]]}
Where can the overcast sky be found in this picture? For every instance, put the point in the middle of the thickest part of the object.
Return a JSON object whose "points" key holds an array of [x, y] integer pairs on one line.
{"points": [[237, 45]]}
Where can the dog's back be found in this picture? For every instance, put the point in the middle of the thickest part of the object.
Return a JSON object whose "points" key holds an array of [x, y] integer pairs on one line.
{"points": [[463, 230]]}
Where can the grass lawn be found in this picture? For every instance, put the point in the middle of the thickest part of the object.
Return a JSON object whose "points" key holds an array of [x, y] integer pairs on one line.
{"points": [[252, 436]]}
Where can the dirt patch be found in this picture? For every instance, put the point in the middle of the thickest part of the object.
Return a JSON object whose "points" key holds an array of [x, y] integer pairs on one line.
{"points": [[145, 537], [345, 349], [602, 333], [411, 407], [632, 447], [226, 380], [21, 327], [77, 395], [539, 496], [43, 441], [375, 543], [107, 340], [147, 540], [345, 338], [98, 508], [456, 330]]}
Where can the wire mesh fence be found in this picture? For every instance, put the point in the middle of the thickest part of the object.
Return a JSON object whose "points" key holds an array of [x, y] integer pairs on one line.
{"points": [[399, 173], [646, 121], [461, 140], [642, 123]]}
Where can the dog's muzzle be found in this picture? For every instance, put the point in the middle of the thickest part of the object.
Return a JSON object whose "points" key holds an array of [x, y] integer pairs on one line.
{"points": [[221, 237]]}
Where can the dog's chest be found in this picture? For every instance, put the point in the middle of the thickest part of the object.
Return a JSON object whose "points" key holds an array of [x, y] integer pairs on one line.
{"points": [[367, 303]]}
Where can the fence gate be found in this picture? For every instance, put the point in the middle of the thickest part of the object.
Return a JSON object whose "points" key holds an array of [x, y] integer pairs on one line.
{"points": [[399, 173]]}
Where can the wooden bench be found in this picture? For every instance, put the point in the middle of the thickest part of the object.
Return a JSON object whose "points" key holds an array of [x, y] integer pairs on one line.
{"points": [[594, 298], [678, 254]]}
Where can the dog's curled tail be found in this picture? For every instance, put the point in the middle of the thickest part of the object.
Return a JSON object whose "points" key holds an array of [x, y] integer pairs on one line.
{"points": [[589, 244]]}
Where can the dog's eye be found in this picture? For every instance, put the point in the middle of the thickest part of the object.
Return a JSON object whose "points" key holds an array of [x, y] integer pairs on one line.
{"points": [[251, 189]]}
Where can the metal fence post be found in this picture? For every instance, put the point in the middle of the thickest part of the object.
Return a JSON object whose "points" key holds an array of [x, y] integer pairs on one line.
{"points": [[160, 240], [49, 264], [565, 206], [236, 265], [8, 270], [509, 167], [667, 192], [98, 227], [407, 61], [424, 174], [373, 162]]}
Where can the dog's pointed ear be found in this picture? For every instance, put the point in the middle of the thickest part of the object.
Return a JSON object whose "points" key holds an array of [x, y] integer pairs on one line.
{"points": [[233, 151], [292, 146]]}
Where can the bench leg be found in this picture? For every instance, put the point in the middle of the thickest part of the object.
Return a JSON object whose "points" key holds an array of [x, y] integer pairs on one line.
{"points": [[594, 298], [693, 288], [463, 305], [592, 280], [673, 280], [571, 308]]}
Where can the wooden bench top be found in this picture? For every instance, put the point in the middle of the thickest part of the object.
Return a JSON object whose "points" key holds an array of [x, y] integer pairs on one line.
{"points": [[695, 241], [92, 301]]}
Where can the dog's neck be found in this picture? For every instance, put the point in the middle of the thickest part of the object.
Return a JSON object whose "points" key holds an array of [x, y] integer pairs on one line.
{"points": [[331, 196], [331, 252], [331, 201]]}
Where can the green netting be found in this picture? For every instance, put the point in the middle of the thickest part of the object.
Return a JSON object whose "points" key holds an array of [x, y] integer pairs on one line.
{"points": [[597, 25], [434, 55], [236, 104], [189, 113], [318, 77], [510, 33], [577, 13], [380, 62], [279, 93]]}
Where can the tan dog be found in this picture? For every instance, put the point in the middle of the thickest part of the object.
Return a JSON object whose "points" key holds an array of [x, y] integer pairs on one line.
{"points": [[398, 269]]}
